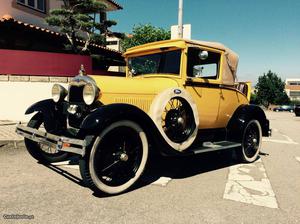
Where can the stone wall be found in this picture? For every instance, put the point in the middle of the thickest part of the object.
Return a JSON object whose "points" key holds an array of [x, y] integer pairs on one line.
{"points": [[29, 78]]}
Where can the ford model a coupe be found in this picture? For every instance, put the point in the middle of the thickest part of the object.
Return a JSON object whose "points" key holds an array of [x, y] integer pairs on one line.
{"points": [[179, 97]]}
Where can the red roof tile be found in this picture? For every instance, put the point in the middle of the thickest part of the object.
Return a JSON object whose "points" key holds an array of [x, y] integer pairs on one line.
{"points": [[31, 26]]}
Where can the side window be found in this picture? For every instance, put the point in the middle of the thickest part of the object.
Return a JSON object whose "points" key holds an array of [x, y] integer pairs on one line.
{"points": [[202, 64]]}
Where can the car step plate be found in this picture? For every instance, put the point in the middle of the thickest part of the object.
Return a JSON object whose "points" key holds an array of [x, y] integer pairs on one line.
{"points": [[215, 146]]}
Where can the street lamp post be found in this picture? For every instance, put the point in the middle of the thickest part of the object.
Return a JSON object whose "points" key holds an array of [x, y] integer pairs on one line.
{"points": [[180, 26]]}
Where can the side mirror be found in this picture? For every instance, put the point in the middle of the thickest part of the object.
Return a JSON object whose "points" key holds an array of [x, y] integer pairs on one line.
{"points": [[203, 55]]}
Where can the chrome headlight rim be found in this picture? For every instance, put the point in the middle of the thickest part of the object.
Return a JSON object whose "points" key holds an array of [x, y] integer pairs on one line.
{"points": [[90, 93], [58, 93]]}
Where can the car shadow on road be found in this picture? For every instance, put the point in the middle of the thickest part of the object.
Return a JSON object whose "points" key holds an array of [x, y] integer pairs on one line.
{"points": [[65, 174], [172, 167], [184, 167]]}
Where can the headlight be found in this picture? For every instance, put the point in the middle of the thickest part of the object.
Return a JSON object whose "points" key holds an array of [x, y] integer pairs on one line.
{"points": [[58, 93], [90, 93]]}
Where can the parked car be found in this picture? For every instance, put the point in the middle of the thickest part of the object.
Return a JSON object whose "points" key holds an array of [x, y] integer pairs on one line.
{"points": [[284, 108], [297, 110], [179, 97]]}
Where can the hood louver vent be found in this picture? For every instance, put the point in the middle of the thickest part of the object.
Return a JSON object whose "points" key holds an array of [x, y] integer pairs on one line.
{"points": [[140, 103]]}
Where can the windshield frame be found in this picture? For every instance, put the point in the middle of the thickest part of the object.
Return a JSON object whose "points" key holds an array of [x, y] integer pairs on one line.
{"points": [[153, 52]]}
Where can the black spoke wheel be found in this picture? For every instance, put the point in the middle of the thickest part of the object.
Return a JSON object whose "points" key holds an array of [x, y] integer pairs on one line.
{"points": [[39, 151], [252, 138], [118, 157], [178, 120]]}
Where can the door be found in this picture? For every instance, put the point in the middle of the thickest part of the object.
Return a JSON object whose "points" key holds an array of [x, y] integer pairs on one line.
{"points": [[203, 84]]}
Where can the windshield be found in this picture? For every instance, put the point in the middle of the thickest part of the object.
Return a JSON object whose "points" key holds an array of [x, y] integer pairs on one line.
{"points": [[159, 63]]}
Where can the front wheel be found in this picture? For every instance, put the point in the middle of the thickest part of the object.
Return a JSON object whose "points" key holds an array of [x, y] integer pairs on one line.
{"points": [[117, 158], [39, 151], [251, 141]]}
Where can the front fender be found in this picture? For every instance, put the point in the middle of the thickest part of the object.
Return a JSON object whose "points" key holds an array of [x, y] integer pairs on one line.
{"points": [[103, 116], [41, 106], [52, 113]]}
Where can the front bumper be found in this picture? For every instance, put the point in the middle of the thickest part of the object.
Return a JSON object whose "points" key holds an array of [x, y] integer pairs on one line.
{"points": [[60, 143]]}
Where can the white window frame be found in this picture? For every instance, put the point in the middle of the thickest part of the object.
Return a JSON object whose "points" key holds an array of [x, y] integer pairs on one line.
{"points": [[35, 5]]}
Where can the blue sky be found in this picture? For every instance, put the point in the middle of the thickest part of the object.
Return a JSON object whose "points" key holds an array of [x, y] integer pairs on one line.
{"points": [[265, 33]]}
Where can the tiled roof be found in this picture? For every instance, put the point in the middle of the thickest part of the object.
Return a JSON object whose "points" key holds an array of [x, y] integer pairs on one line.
{"points": [[116, 4], [7, 18], [10, 18]]}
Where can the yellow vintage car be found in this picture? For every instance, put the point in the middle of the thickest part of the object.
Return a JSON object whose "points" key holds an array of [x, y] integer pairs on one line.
{"points": [[179, 97]]}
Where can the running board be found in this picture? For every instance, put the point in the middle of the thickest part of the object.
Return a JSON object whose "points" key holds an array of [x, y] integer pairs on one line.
{"points": [[215, 146]]}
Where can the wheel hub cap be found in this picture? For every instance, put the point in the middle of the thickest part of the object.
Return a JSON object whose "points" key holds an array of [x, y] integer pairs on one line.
{"points": [[124, 157], [180, 121]]}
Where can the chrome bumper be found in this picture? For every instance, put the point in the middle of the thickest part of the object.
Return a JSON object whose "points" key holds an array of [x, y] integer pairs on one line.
{"points": [[61, 143]]}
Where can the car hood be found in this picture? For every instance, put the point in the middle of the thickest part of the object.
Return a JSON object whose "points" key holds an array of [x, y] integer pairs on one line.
{"points": [[138, 91], [136, 85]]}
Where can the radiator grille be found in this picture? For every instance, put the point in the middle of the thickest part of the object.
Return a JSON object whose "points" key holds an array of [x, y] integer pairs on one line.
{"points": [[75, 94], [76, 98]]}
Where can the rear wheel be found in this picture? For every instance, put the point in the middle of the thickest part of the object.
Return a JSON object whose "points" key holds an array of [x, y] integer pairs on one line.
{"points": [[117, 158], [39, 151], [251, 142]]}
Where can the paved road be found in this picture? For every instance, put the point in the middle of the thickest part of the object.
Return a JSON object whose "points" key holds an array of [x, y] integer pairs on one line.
{"points": [[210, 188]]}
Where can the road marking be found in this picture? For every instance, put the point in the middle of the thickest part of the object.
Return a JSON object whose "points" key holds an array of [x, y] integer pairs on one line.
{"points": [[280, 141], [288, 138], [162, 181], [287, 141], [66, 164], [75, 167], [298, 158], [248, 183], [61, 163]]}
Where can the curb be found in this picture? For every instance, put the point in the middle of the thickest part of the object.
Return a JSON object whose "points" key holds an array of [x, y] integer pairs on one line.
{"points": [[12, 123], [8, 123], [11, 143]]}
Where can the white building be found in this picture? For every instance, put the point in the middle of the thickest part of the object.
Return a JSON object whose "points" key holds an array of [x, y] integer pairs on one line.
{"points": [[292, 88]]}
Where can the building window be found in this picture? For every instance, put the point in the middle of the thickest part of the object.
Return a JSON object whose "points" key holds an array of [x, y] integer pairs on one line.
{"points": [[112, 42], [294, 93], [294, 83], [39, 5]]}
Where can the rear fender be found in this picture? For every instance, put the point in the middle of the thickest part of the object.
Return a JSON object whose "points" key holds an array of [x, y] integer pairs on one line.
{"points": [[240, 118]]}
